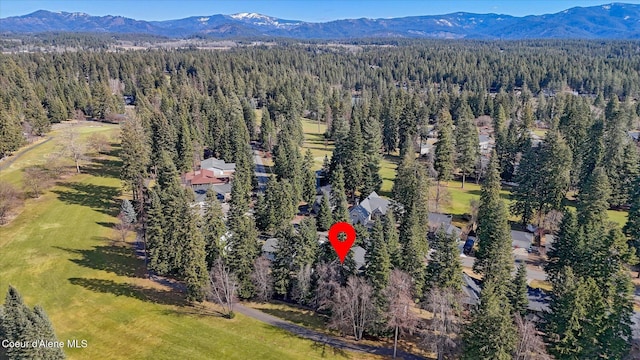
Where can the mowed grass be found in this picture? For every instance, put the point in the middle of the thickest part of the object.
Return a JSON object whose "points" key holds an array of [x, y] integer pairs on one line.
{"points": [[314, 140], [60, 253], [37, 153]]}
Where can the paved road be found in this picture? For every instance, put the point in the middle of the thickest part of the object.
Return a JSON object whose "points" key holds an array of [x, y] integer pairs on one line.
{"points": [[261, 171], [320, 337]]}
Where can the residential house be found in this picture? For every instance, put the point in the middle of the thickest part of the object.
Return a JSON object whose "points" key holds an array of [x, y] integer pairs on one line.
{"points": [[484, 144], [269, 248], [635, 135], [202, 180], [437, 220], [369, 209], [218, 167], [521, 242], [320, 192]]}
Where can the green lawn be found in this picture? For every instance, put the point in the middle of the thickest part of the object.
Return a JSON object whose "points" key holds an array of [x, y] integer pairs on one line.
{"points": [[37, 153], [59, 253]]}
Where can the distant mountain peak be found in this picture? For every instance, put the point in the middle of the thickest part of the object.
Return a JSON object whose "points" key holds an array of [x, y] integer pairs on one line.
{"points": [[246, 15], [607, 21]]}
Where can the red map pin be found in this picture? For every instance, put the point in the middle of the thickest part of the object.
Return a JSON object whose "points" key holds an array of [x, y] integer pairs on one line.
{"points": [[342, 247]]}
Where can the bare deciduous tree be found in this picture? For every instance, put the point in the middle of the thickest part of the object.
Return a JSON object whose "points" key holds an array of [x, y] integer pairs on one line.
{"points": [[122, 227], [530, 344], [262, 279], [302, 285], [10, 198], [98, 143], [442, 334], [73, 147], [399, 316], [327, 279], [352, 307], [223, 287], [35, 180]]}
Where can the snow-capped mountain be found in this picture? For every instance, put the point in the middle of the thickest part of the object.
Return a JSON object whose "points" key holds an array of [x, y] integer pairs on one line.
{"points": [[610, 21]]}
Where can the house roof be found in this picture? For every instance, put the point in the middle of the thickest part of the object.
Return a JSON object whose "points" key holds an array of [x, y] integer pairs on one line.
{"points": [[471, 290], [635, 135], [202, 177], [483, 138], [270, 245], [521, 239], [358, 256], [374, 202], [222, 188], [436, 220], [213, 163]]}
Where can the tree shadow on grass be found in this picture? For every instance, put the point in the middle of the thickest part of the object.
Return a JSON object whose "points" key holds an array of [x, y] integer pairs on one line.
{"points": [[109, 225], [326, 345], [194, 310], [304, 319], [132, 291], [97, 197], [109, 168], [119, 260]]}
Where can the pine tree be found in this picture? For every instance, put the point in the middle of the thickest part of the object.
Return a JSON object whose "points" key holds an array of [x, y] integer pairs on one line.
{"points": [[413, 237], [543, 178], [377, 259], [11, 137], [249, 118], [467, 146], [371, 179], [338, 197], [527, 116], [157, 247], [632, 227], [392, 238], [242, 252], [444, 270], [518, 294], [494, 258], [325, 218], [594, 198], [18, 323], [267, 131], [566, 247], [136, 157], [195, 264], [491, 333], [213, 228], [128, 211], [353, 162], [309, 182], [283, 260], [444, 152]]}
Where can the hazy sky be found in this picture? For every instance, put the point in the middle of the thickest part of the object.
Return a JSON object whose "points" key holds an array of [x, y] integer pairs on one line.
{"points": [[307, 10]]}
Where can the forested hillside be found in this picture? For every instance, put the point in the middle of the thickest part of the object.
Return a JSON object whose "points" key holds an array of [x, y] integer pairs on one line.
{"points": [[553, 123]]}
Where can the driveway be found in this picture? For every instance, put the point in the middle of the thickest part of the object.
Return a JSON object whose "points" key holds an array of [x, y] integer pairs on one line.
{"points": [[261, 170]]}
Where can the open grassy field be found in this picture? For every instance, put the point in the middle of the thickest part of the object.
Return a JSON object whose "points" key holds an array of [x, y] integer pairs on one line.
{"points": [[60, 253]]}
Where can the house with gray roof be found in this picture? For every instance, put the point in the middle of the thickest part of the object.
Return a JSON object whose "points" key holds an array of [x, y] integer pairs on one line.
{"points": [[436, 220], [219, 167], [372, 207]]}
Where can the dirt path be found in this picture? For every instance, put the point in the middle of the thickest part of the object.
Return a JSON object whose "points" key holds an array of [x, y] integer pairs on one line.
{"points": [[318, 336], [6, 163]]}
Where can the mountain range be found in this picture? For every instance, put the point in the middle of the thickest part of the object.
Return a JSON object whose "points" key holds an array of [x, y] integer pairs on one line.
{"points": [[611, 21]]}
